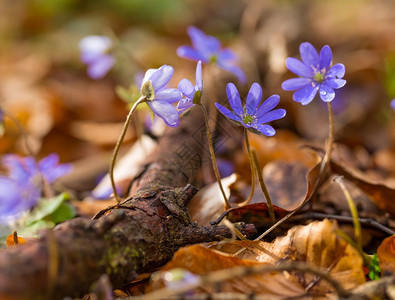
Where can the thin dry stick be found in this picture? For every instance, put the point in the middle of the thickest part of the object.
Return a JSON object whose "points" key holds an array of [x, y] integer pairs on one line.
{"points": [[118, 146], [263, 187], [222, 275], [364, 221], [212, 155]]}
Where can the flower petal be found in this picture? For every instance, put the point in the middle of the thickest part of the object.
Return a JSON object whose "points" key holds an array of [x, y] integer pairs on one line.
{"points": [[199, 77], [161, 77], [327, 94], [227, 113], [335, 83], [272, 115], [265, 129], [184, 103], [168, 95], [205, 44], [267, 105], [337, 71], [227, 54], [234, 98], [96, 43], [309, 55], [234, 70], [191, 53], [299, 68], [186, 87], [295, 83], [100, 67], [165, 111], [392, 104], [325, 57], [306, 94], [253, 98]]}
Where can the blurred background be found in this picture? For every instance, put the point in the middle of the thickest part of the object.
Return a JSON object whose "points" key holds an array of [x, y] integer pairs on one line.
{"points": [[43, 83]]}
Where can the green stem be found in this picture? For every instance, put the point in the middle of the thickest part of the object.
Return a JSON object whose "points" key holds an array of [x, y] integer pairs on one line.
{"points": [[212, 155], [263, 187], [118, 146], [252, 166], [354, 211]]}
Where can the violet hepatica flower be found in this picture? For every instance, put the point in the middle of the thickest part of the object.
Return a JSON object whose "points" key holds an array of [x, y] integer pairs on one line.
{"points": [[252, 116], [316, 74], [21, 189], [208, 50], [159, 98], [95, 53], [190, 91], [393, 104]]}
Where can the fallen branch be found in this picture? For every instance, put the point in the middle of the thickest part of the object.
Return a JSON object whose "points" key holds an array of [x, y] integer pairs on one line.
{"points": [[136, 236]]}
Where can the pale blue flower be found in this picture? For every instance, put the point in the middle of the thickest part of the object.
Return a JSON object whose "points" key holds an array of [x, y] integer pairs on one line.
{"points": [[159, 98], [252, 116], [95, 53], [316, 74], [21, 189], [189, 90], [208, 49]]}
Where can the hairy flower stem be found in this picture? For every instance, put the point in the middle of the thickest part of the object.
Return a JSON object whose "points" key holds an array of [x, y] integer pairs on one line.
{"points": [[118, 146], [252, 165], [263, 187], [212, 155]]}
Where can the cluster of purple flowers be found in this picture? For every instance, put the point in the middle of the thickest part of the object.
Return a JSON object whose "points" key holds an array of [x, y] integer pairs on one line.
{"points": [[315, 75], [22, 188]]}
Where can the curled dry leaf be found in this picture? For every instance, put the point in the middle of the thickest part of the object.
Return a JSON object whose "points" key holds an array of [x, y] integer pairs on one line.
{"points": [[316, 244], [386, 255], [198, 259], [381, 194], [208, 203]]}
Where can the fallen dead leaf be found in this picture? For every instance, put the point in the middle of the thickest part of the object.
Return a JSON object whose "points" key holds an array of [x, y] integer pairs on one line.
{"points": [[208, 203], [316, 244], [386, 255], [380, 193], [198, 259]]}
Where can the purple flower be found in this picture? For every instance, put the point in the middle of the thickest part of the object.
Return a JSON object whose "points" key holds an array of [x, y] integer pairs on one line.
{"points": [[316, 74], [208, 50], [95, 53], [159, 98], [21, 190], [189, 91], [393, 104], [252, 116]]}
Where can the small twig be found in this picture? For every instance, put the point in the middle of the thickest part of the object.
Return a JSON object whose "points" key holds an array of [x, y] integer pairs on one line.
{"points": [[364, 221], [223, 275]]}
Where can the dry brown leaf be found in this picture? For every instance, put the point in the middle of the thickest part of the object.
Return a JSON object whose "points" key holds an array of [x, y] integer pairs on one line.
{"points": [[381, 194], [200, 260], [386, 255], [316, 244], [208, 203]]}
